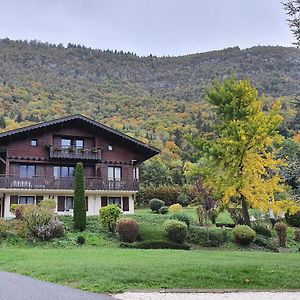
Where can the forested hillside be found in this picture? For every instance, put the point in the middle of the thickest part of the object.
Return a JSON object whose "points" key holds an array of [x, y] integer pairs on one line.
{"points": [[157, 99]]}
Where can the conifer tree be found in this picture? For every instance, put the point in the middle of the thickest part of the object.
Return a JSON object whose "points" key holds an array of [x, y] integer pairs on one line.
{"points": [[79, 216]]}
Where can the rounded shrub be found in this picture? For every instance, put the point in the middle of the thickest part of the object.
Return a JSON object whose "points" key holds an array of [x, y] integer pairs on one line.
{"points": [[175, 208], [109, 216], [183, 199], [183, 218], [176, 231], [80, 240], [163, 210], [128, 230], [243, 234], [262, 230], [155, 204]]}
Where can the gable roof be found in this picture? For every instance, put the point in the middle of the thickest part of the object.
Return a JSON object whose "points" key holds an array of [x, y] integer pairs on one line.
{"points": [[147, 149]]}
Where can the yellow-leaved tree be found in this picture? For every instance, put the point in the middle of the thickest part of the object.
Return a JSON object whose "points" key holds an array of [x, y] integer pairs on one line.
{"points": [[238, 161]]}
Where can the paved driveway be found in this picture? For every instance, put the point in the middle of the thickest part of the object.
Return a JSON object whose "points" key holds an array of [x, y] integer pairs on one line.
{"points": [[18, 287]]}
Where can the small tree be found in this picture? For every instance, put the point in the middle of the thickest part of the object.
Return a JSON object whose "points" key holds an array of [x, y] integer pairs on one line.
{"points": [[79, 216], [109, 216]]}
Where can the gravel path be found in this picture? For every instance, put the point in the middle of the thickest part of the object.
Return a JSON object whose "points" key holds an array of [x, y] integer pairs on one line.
{"points": [[18, 287], [211, 296]]}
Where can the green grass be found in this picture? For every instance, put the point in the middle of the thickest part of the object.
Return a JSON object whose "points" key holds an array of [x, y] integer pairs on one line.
{"points": [[115, 270]]}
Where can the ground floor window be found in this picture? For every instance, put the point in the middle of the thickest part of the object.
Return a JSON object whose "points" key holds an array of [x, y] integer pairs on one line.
{"points": [[115, 200], [26, 199], [69, 203]]}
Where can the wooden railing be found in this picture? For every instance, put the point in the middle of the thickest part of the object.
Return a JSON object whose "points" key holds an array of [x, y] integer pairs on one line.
{"points": [[65, 183], [75, 153]]}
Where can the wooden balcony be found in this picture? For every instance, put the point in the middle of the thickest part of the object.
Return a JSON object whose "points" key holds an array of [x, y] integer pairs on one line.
{"points": [[66, 183], [75, 153]]}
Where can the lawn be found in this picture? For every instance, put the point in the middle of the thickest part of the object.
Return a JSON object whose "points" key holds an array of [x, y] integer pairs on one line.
{"points": [[115, 270]]}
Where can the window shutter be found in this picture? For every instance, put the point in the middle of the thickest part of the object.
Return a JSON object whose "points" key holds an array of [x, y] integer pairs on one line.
{"points": [[38, 199], [103, 201], [13, 199], [61, 203], [125, 203]]}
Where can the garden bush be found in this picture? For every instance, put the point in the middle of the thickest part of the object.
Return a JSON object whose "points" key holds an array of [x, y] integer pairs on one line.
{"points": [[183, 199], [224, 219], [297, 235], [128, 230], [155, 204], [262, 230], [4, 229], [156, 244], [175, 208], [207, 237], [183, 218], [80, 240], [281, 229], [55, 229], [176, 231], [109, 216], [293, 219], [163, 210], [48, 203], [243, 234]]}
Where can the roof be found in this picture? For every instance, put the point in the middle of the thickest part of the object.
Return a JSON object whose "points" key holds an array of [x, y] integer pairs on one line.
{"points": [[15, 132]]}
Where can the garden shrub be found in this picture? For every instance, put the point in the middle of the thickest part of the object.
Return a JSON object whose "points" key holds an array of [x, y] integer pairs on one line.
{"points": [[175, 208], [48, 203], [293, 219], [109, 216], [207, 237], [155, 204], [176, 231], [183, 218], [35, 217], [243, 234], [79, 213], [183, 199], [55, 229], [166, 193], [128, 230], [156, 244], [80, 240], [4, 229], [262, 230], [13, 208], [263, 242], [163, 210], [281, 229], [297, 235]]}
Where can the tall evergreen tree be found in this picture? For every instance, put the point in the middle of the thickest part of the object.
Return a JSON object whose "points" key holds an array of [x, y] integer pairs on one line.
{"points": [[79, 217]]}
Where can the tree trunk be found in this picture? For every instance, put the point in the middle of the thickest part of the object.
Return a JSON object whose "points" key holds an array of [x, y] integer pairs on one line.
{"points": [[245, 212]]}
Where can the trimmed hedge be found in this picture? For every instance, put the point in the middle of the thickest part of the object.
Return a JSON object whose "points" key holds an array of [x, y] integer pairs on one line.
{"points": [[183, 218], [155, 204], [176, 231], [128, 230], [243, 234], [155, 245]]}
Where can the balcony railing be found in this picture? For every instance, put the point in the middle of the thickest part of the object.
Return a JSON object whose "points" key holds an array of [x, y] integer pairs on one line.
{"points": [[65, 183], [75, 153]]}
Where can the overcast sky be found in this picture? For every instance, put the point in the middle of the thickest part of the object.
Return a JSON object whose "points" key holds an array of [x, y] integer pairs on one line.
{"points": [[159, 27]]}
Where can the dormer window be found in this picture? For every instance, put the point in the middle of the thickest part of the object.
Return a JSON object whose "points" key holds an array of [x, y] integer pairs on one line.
{"points": [[33, 142], [110, 148]]}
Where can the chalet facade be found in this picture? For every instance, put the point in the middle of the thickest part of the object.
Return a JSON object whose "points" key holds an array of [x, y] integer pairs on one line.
{"points": [[38, 162]]}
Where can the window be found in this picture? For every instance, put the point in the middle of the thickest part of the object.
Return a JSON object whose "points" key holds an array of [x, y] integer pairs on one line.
{"points": [[110, 148], [114, 173], [63, 171], [115, 200], [69, 203], [135, 172], [65, 143], [33, 142], [27, 171], [78, 144], [26, 200]]}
